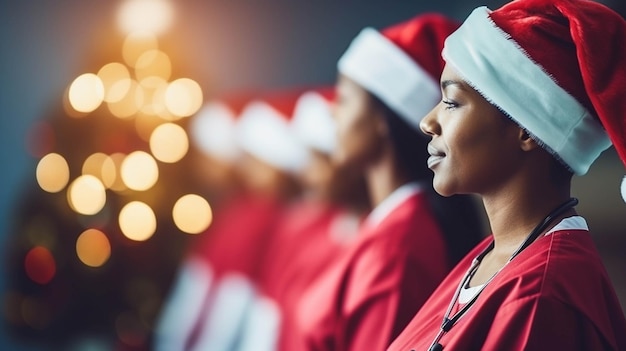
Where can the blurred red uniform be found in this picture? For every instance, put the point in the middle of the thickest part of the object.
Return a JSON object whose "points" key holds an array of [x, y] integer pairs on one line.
{"points": [[369, 295]]}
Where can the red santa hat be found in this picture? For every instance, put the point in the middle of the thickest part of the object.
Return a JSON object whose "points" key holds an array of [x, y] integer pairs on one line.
{"points": [[313, 122], [212, 129], [556, 67], [264, 131], [401, 65]]}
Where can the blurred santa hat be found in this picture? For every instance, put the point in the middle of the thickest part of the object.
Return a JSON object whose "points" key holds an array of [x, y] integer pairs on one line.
{"points": [[212, 129], [557, 68], [313, 122], [264, 131], [402, 64]]}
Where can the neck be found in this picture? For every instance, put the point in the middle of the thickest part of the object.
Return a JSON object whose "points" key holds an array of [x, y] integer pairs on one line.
{"points": [[514, 213], [383, 177]]}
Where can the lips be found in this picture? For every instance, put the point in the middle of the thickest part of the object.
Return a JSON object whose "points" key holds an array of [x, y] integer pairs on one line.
{"points": [[436, 156]]}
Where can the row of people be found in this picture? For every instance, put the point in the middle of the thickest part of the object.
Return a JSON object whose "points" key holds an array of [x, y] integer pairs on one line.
{"points": [[509, 106]]}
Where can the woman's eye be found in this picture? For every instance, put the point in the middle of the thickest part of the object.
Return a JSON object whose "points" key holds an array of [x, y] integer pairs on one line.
{"points": [[450, 104]]}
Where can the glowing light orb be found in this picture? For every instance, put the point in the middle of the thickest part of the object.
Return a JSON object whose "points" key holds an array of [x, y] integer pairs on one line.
{"points": [[169, 143], [53, 173], [137, 221], [192, 214], [40, 265], [154, 16], [86, 93], [87, 195], [139, 171], [183, 97]]}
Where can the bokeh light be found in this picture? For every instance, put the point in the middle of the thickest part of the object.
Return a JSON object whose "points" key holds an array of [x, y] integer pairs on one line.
{"points": [[101, 166], [153, 63], [145, 124], [86, 93], [153, 16], [130, 104], [137, 221], [169, 143], [183, 97], [139, 171], [154, 95], [192, 214], [118, 183], [136, 44], [53, 173], [93, 248], [116, 81], [86, 195], [40, 265]]}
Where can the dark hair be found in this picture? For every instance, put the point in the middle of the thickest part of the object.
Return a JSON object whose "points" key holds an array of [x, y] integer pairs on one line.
{"points": [[458, 215]]}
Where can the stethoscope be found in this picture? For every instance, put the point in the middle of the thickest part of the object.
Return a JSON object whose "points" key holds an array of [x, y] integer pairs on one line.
{"points": [[448, 322]]}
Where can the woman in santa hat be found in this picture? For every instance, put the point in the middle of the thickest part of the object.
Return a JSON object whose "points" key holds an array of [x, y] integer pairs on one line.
{"points": [[387, 81], [218, 282], [532, 94], [315, 229]]}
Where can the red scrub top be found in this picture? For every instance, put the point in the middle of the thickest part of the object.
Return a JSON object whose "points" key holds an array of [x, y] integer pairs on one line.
{"points": [[234, 250], [555, 295], [370, 294], [311, 236], [240, 234]]}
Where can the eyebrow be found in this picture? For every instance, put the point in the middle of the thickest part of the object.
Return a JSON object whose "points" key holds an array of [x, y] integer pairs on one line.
{"points": [[447, 83]]}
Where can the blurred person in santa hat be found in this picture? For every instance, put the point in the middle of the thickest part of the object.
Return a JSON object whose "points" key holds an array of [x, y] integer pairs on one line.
{"points": [[412, 237], [532, 94], [314, 231], [217, 283]]}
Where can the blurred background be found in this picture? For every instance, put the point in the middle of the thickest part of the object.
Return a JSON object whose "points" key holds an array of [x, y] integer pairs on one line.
{"points": [[76, 273]]}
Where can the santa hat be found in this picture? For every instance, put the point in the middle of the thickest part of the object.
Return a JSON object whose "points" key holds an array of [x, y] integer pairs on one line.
{"points": [[401, 65], [264, 131], [313, 122], [212, 129], [556, 67]]}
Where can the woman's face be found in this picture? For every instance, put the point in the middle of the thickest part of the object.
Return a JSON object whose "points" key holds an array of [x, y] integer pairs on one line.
{"points": [[474, 147], [360, 124]]}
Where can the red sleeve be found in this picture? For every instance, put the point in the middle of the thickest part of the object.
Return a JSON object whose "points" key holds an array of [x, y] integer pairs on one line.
{"points": [[542, 324], [374, 290]]}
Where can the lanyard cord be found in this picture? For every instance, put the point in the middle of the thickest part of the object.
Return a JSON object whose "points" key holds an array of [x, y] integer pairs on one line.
{"points": [[448, 322]]}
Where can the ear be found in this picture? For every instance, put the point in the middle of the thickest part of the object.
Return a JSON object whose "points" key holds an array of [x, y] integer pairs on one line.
{"points": [[526, 143]]}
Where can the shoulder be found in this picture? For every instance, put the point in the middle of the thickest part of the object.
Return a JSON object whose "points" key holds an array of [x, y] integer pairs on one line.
{"points": [[563, 266]]}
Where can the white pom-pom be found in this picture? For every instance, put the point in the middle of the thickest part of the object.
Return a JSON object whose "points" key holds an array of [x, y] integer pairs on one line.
{"points": [[624, 189]]}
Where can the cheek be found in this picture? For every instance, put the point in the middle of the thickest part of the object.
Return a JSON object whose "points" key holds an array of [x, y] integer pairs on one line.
{"points": [[352, 135]]}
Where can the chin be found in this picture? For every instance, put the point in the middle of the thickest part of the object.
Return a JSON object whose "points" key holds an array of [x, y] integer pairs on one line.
{"points": [[443, 188]]}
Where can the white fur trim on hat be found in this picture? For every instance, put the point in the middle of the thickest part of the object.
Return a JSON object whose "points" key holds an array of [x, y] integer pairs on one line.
{"points": [[501, 71], [266, 134], [213, 131], [313, 123], [386, 71]]}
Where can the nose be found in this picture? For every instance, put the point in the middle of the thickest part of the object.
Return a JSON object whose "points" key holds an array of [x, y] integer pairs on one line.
{"points": [[429, 124]]}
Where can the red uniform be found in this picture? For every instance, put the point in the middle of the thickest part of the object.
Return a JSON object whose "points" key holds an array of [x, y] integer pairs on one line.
{"points": [[238, 238], [370, 293], [218, 279], [311, 237], [555, 295]]}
